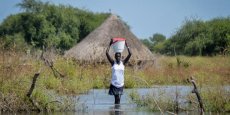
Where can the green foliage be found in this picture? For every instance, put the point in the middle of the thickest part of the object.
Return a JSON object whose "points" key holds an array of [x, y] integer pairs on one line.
{"points": [[155, 43], [218, 100], [194, 37], [147, 43], [227, 50], [215, 98], [31, 5], [136, 98], [14, 42], [157, 37], [152, 101], [182, 63], [48, 25]]}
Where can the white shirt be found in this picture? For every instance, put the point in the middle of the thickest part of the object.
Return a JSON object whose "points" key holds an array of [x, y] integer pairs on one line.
{"points": [[118, 74]]}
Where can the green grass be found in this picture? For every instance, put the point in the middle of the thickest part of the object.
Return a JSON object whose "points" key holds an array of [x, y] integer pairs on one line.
{"points": [[149, 101], [215, 99]]}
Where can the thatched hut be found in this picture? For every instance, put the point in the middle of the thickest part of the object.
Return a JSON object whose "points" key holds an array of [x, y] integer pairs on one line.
{"points": [[93, 47]]}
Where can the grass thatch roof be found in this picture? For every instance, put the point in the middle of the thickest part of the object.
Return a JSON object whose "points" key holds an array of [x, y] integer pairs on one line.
{"points": [[93, 47]]}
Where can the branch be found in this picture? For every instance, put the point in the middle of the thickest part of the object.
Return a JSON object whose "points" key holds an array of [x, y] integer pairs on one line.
{"points": [[31, 91], [50, 64], [195, 90], [32, 85]]}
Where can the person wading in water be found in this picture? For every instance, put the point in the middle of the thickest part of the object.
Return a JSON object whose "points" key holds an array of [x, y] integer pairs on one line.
{"points": [[117, 81]]}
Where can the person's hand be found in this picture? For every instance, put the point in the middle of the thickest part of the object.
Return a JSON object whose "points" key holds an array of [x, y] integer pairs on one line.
{"points": [[111, 42], [126, 44]]}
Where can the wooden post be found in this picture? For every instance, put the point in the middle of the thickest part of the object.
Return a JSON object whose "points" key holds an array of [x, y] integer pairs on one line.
{"points": [[195, 90], [29, 93], [32, 84]]}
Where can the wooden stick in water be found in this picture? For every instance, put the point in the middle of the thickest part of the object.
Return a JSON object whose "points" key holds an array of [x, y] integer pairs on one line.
{"points": [[195, 90]]}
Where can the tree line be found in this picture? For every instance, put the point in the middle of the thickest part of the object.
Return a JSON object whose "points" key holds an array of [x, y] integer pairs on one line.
{"points": [[48, 25], [59, 26], [194, 37]]}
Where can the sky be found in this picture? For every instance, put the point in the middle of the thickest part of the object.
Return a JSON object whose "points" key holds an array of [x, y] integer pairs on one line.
{"points": [[145, 17]]}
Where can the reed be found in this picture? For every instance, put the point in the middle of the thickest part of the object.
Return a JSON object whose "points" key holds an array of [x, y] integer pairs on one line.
{"points": [[153, 102]]}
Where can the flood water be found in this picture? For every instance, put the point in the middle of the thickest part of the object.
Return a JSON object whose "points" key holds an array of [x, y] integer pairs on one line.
{"points": [[97, 101]]}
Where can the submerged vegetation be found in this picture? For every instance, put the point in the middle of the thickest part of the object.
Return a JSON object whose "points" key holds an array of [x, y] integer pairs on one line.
{"points": [[215, 98], [162, 103]]}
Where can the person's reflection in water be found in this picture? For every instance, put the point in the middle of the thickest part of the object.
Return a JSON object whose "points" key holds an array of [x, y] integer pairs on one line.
{"points": [[116, 110]]}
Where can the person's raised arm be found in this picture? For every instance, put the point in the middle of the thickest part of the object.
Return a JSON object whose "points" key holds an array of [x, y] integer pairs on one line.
{"points": [[129, 55], [107, 53]]}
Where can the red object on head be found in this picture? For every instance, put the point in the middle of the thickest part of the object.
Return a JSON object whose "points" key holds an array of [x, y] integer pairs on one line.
{"points": [[118, 39]]}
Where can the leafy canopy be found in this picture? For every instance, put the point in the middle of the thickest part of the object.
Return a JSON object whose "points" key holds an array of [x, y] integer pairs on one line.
{"points": [[47, 25]]}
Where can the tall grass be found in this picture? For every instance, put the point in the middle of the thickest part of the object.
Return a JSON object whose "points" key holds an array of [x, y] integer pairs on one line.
{"points": [[175, 70], [153, 102], [17, 69], [216, 99], [211, 73]]}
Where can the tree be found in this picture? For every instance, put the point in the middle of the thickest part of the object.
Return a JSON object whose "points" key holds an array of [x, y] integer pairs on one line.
{"points": [[147, 43], [219, 30], [157, 42], [157, 37], [48, 25], [31, 5], [196, 37], [154, 43]]}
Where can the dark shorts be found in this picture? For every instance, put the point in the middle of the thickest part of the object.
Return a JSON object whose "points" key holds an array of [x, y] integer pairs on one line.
{"points": [[115, 91]]}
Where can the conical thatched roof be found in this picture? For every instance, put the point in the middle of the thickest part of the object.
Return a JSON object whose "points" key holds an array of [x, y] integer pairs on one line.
{"points": [[93, 47]]}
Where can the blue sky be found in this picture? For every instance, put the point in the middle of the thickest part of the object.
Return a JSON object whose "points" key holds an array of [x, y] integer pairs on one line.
{"points": [[145, 17]]}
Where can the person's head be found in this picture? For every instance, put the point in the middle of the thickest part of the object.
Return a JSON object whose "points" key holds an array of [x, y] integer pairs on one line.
{"points": [[118, 56]]}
